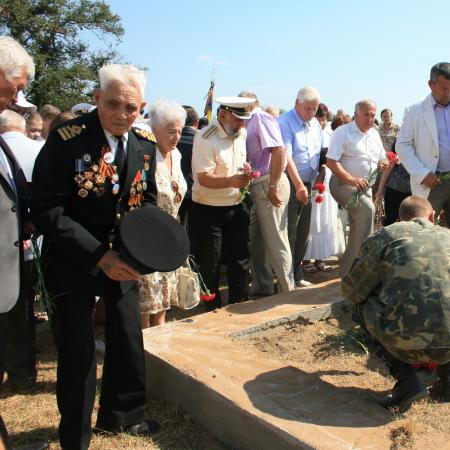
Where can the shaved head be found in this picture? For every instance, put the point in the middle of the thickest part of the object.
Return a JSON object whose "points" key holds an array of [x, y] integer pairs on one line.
{"points": [[414, 206]]}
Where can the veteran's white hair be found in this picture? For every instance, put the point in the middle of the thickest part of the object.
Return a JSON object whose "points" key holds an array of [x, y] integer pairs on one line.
{"points": [[14, 59], [165, 111], [308, 94], [125, 73], [364, 104], [11, 121]]}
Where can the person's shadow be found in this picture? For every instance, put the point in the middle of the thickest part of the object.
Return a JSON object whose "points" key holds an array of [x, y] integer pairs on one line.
{"points": [[292, 394]]}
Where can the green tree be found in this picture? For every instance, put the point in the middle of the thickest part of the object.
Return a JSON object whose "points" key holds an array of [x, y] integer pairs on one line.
{"points": [[52, 31]]}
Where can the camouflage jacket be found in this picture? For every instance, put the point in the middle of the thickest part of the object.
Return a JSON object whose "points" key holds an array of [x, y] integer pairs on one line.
{"points": [[403, 275]]}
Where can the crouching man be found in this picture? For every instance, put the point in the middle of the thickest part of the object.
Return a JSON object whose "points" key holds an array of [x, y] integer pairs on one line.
{"points": [[400, 287]]}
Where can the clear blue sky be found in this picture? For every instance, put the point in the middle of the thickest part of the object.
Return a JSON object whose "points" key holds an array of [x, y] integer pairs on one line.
{"points": [[348, 50]]}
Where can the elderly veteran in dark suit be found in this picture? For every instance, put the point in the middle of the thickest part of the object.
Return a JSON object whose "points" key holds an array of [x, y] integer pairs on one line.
{"points": [[400, 288], [91, 171], [16, 68]]}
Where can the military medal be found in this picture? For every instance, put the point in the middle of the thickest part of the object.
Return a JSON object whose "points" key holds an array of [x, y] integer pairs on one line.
{"points": [[144, 186], [115, 178], [88, 185], [94, 168], [108, 158], [146, 166], [87, 158], [132, 191], [83, 193], [115, 189], [99, 179], [79, 179]]}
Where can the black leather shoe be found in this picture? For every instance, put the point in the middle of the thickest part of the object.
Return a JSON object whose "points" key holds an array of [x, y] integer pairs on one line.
{"points": [[144, 428], [404, 394], [441, 389]]}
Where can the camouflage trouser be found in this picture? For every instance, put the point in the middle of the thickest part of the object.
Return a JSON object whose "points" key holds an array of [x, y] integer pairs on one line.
{"points": [[438, 356]]}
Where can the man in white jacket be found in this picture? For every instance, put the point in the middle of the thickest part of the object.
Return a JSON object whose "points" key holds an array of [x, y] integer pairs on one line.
{"points": [[423, 144]]}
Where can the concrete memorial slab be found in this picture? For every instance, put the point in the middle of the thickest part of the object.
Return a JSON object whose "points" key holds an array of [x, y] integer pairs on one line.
{"points": [[252, 402]]}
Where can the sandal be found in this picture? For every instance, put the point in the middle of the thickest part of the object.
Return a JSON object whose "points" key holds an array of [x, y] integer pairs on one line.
{"points": [[323, 267], [310, 268]]}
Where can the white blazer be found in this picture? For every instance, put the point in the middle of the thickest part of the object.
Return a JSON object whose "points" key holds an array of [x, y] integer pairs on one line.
{"points": [[417, 144]]}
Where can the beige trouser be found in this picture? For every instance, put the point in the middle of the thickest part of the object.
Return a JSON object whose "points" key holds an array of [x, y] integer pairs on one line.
{"points": [[361, 220], [269, 243]]}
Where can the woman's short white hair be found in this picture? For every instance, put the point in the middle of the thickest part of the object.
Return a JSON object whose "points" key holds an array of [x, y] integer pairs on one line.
{"points": [[165, 111], [125, 73], [14, 59], [308, 94], [11, 121]]}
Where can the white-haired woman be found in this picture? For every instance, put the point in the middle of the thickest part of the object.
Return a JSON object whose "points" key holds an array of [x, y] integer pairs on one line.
{"points": [[158, 290]]}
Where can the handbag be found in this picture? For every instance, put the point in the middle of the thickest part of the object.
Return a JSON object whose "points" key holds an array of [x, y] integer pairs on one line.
{"points": [[188, 287]]}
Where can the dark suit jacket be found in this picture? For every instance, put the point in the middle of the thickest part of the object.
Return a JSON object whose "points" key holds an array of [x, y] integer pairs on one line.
{"points": [[185, 148], [78, 230], [13, 211]]}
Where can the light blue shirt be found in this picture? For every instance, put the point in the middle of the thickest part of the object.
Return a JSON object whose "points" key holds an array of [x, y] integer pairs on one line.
{"points": [[442, 116], [303, 141]]}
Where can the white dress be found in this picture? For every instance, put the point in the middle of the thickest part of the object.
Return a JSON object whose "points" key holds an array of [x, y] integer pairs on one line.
{"points": [[159, 290], [326, 237]]}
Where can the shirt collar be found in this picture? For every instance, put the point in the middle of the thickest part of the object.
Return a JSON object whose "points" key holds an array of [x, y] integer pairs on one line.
{"points": [[113, 138], [303, 124]]}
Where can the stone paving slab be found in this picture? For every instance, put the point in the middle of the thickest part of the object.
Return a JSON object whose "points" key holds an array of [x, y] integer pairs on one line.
{"points": [[253, 402]]}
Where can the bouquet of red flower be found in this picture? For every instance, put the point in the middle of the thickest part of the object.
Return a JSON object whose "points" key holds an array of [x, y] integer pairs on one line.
{"points": [[205, 294], [392, 157], [246, 170], [318, 198]]}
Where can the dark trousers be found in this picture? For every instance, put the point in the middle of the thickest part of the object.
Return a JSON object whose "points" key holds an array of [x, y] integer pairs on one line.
{"points": [[122, 397], [17, 335], [210, 229], [392, 200], [299, 221]]}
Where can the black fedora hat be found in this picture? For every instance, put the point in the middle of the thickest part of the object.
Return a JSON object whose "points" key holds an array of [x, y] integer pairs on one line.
{"points": [[152, 241]]}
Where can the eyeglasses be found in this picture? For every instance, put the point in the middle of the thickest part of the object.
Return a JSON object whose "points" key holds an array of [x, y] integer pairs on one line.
{"points": [[175, 189]]}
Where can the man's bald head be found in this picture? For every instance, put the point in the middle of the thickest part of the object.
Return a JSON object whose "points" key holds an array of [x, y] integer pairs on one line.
{"points": [[414, 206]]}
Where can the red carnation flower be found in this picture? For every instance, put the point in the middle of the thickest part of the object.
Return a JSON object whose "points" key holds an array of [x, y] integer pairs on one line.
{"points": [[318, 199], [391, 156], [208, 297], [320, 187]]}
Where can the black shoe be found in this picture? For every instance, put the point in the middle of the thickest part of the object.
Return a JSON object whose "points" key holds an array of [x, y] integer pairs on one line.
{"points": [[404, 394], [144, 428], [35, 446], [441, 389]]}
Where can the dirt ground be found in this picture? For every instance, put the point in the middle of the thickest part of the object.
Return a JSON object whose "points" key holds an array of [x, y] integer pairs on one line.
{"points": [[340, 343]]}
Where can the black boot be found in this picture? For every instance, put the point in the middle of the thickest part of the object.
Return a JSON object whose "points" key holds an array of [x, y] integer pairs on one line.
{"points": [[407, 389], [442, 388]]}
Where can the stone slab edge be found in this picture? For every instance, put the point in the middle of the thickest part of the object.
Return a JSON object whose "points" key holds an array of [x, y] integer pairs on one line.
{"points": [[233, 425], [311, 315]]}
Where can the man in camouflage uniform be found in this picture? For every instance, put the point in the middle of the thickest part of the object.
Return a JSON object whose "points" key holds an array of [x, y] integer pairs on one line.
{"points": [[400, 288]]}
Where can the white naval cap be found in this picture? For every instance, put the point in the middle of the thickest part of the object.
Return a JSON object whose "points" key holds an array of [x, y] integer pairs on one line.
{"points": [[238, 106], [82, 108], [23, 103]]}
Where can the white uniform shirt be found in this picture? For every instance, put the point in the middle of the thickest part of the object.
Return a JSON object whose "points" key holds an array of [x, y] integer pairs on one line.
{"points": [[215, 152], [358, 152], [25, 150]]}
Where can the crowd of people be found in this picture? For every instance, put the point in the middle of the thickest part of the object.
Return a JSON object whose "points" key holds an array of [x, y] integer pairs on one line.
{"points": [[268, 196]]}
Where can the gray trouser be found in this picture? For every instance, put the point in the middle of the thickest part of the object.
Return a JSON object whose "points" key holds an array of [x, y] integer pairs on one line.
{"points": [[269, 243], [299, 218], [361, 218], [440, 199]]}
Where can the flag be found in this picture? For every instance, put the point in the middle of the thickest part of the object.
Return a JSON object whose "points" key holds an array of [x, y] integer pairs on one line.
{"points": [[209, 100]]}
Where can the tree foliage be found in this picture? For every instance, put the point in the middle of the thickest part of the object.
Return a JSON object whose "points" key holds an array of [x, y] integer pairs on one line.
{"points": [[52, 31]]}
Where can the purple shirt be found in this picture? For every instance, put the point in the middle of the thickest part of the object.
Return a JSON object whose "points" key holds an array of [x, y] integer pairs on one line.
{"points": [[263, 133], [442, 116]]}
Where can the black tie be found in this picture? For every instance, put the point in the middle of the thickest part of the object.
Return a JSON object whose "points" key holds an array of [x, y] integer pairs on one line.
{"points": [[121, 159]]}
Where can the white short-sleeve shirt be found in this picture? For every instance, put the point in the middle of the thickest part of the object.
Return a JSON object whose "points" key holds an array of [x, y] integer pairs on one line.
{"points": [[215, 152], [358, 152]]}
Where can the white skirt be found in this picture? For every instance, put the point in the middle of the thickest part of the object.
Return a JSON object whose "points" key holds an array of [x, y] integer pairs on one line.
{"points": [[326, 237]]}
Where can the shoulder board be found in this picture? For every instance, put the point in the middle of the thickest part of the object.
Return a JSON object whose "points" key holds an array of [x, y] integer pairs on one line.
{"points": [[68, 132], [209, 130], [147, 135]]}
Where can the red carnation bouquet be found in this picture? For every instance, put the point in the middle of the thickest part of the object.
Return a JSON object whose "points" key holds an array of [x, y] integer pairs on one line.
{"points": [[318, 197], [205, 293], [246, 170]]}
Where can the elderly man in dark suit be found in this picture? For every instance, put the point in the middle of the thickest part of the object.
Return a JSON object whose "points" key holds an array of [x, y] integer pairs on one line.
{"points": [[185, 147], [91, 171], [16, 68]]}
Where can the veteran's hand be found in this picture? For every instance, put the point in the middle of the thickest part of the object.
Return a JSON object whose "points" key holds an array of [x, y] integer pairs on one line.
{"points": [[431, 180], [301, 194], [115, 268], [239, 181], [384, 164], [359, 183]]}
